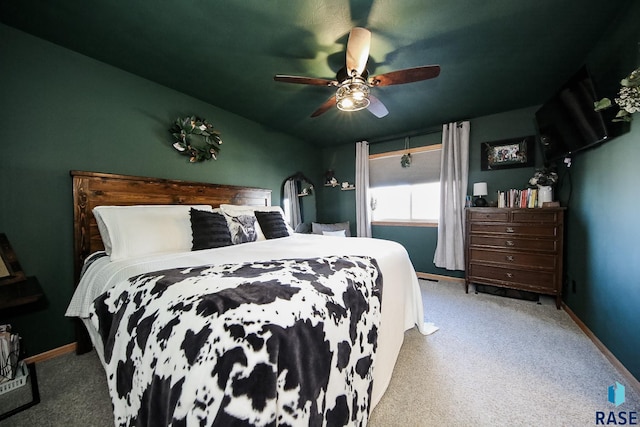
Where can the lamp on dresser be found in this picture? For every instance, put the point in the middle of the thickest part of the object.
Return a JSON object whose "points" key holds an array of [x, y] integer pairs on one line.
{"points": [[479, 191]]}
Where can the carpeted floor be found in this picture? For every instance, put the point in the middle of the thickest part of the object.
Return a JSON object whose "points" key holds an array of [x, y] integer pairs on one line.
{"points": [[497, 362], [494, 362]]}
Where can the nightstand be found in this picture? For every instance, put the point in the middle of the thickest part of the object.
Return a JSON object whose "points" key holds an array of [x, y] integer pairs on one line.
{"points": [[18, 298]]}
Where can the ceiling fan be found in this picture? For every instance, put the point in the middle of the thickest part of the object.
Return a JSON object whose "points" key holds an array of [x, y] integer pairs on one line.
{"points": [[353, 81]]}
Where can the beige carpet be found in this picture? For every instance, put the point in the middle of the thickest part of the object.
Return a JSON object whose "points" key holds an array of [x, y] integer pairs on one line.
{"points": [[494, 362], [497, 362]]}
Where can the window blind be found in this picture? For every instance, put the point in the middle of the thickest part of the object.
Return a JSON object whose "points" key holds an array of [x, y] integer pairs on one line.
{"points": [[385, 170]]}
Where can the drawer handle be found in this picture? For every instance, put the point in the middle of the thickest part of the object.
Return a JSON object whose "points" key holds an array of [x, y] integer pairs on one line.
{"points": [[510, 243], [509, 257], [510, 230], [509, 275]]}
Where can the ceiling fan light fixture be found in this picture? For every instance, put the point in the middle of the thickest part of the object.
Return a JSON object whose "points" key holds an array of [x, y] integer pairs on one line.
{"points": [[352, 95], [353, 81]]}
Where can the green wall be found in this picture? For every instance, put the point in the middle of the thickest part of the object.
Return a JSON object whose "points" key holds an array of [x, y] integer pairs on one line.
{"points": [[497, 127], [420, 242], [603, 231], [603, 252], [62, 111], [335, 205]]}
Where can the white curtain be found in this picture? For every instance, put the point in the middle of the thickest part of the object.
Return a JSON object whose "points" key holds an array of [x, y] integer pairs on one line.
{"points": [[293, 202], [454, 173], [363, 213]]}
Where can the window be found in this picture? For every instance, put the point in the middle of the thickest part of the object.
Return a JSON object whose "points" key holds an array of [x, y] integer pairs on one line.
{"points": [[405, 195], [417, 202], [287, 210]]}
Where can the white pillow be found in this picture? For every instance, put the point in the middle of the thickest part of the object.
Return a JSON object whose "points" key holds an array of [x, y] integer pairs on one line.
{"points": [[133, 231], [318, 228], [339, 233], [235, 210]]}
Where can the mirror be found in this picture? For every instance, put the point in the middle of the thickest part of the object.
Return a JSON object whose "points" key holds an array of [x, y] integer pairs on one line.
{"points": [[298, 200]]}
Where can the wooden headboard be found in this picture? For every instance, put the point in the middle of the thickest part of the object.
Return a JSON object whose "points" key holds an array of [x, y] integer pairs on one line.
{"points": [[91, 189]]}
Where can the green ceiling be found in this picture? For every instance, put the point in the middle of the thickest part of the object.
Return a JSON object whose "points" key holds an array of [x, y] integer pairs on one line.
{"points": [[495, 55]]}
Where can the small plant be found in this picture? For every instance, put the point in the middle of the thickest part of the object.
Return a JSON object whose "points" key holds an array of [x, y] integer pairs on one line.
{"points": [[543, 177], [628, 99]]}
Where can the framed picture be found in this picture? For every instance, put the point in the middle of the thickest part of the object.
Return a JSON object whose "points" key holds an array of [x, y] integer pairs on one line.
{"points": [[10, 270], [508, 153]]}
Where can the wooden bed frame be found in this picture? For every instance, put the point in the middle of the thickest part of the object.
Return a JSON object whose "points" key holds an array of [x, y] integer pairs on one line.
{"points": [[91, 189]]}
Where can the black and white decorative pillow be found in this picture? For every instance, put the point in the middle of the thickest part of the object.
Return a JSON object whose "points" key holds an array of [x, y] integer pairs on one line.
{"points": [[243, 229], [231, 211], [272, 224], [209, 230], [242, 225]]}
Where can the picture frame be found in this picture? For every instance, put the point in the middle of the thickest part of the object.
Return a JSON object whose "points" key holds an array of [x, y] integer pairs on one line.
{"points": [[10, 269], [508, 153]]}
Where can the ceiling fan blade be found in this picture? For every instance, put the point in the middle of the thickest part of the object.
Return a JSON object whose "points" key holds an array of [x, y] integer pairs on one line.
{"points": [[328, 104], [408, 75], [376, 107], [358, 50], [304, 80]]}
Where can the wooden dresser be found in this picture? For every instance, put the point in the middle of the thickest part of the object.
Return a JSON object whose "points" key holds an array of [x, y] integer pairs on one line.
{"points": [[516, 248]]}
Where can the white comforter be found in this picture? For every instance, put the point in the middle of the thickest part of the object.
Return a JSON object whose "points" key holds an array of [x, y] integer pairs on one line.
{"points": [[401, 298]]}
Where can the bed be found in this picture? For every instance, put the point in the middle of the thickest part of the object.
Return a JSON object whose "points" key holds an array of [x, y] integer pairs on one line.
{"points": [[332, 309]]}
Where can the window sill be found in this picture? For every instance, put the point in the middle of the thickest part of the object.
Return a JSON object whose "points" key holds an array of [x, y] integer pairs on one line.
{"points": [[400, 223]]}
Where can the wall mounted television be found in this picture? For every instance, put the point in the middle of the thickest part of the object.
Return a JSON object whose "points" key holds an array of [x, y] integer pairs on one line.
{"points": [[567, 122]]}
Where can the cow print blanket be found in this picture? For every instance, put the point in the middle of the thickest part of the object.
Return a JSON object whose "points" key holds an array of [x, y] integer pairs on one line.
{"points": [[278, 343]]}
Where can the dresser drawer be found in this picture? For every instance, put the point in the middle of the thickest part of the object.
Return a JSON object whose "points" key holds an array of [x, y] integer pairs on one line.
{"points": [[534, 215], [513, 259], [513, 242], [541, 281], [514, 229], [481, 215]]}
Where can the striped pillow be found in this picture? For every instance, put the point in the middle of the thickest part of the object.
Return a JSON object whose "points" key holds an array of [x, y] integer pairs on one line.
{"points": [[272, 224], [209, 230]]}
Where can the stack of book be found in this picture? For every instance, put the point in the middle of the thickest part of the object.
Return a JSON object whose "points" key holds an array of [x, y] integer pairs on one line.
{"points": [[527, 198], [9, 350]]}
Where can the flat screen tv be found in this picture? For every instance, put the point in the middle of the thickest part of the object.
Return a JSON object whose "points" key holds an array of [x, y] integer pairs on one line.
{"points": [[567, 123]]}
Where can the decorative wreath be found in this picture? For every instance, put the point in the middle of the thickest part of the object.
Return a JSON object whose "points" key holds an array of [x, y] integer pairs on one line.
{"points": [[196, 138]]}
